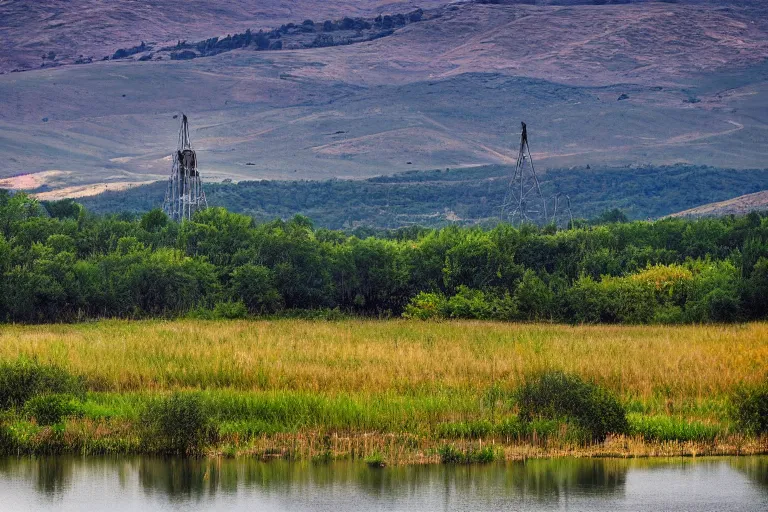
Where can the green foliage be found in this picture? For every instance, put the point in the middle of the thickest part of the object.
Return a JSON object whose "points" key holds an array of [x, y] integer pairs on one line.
{"points": [[449, 454], [669, 271], [375, 460], [49, 409], [465, 430], [473, 194], [558, 396], [533, 297], [230, 310], [23, 379], [154, 220], [426, 306], [750, 409], [255, 286], [666, 428], [178, 424]]}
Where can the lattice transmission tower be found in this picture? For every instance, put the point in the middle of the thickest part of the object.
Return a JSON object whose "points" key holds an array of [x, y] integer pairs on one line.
{"points": [[184, 195], [524, 202]]}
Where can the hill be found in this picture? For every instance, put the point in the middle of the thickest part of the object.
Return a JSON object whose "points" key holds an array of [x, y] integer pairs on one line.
{"points": [[90, 29], [600, 85], [456, 196], [736, 206]]}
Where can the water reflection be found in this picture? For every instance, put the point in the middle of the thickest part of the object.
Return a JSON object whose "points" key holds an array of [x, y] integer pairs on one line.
{"points": [[756, 468], [543, 479], [175, 484]]}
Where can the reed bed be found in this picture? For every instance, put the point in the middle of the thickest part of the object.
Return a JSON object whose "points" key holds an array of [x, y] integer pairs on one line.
{"points": [[400, 356], [394, 390]]}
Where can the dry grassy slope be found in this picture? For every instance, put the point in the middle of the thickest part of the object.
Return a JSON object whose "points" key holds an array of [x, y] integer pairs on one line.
{"points": [[95, 28], [442, 93], [737, 206]]}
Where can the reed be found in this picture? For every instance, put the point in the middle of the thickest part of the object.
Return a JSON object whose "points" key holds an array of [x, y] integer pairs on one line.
{"points": [[405, 357], [398, 390]]}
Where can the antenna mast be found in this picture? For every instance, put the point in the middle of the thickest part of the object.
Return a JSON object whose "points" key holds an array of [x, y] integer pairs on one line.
{"points": [[184, 195], [524, 202]]}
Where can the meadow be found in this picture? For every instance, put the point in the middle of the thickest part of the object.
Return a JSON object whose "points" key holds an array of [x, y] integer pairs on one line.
{"points": [[389, 390]]}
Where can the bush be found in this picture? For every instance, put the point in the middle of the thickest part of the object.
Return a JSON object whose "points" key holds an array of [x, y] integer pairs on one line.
{"points": [[449, 454], [749, 409], [255, 286], [534, 297], [178, 424], [557, 396], [23, 379], [425, 306], [375, 460], [49, 409], [229, 310], [469, 303]]}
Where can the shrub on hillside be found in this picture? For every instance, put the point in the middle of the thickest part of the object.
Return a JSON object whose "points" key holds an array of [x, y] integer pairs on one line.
{"points": [[750, 409], [178, 424], [23, 379], [556, 395]]}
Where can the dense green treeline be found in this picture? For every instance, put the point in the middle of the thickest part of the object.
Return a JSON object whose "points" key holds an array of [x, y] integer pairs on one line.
{"points": [[468, 196], [61, 263]]}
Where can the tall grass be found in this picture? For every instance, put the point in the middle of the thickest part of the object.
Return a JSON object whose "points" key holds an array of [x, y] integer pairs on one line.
{"points": [[398, 388], [405, 357]]}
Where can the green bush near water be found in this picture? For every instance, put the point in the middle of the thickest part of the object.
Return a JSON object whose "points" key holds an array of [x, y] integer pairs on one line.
{"points": [[750, 409], [178, 424], [23, 379], [50, 409], [558, 396], [449, 454]]}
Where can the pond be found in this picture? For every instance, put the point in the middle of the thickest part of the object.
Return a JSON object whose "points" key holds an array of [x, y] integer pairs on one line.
{"points": [[144, 484]]}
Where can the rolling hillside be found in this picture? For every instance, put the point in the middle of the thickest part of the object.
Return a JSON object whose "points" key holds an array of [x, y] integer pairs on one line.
{"points": [[457, 196], [606, 86]]}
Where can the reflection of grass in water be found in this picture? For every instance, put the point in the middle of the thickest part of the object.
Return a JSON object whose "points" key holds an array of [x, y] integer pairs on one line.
{"points": [[180, 479], [756, 468]]}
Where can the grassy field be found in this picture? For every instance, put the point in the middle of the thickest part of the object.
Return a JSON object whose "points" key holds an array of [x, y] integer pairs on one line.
{"points": [[394, 389]]}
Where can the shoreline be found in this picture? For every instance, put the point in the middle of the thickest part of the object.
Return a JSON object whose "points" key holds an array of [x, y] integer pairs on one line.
{"points": [[87, 438]]}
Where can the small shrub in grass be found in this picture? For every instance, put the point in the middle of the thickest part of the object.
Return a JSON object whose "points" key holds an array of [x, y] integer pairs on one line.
{"points": [[22, 379], [449, 454], [49, 409], [749, 409], [426, 306], [556, 396], [375, 460], [229, 311], [178, 424]]}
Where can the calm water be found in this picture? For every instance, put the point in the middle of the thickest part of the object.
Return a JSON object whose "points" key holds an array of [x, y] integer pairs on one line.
{"points": [[144, 484]]}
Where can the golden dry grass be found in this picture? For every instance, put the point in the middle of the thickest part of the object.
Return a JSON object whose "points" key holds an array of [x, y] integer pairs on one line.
{"points": [[396, 356]]}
